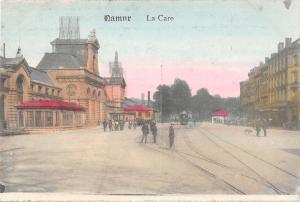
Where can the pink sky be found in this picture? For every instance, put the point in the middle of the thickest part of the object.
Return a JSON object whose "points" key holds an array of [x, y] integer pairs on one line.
{"points": [[222, 79]]}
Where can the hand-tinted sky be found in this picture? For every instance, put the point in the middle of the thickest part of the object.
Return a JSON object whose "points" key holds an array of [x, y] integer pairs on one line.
{"points": [[211, 43]]}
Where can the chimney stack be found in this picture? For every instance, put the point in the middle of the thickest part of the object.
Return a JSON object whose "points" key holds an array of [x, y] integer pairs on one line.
{"points": [[280, 46], [148, 101], [288, 42]]}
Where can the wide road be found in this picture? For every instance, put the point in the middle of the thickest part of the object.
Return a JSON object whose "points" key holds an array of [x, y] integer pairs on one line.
{"points": [[206, 159]]}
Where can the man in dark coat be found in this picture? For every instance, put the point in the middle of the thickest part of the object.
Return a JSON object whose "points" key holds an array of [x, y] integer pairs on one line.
{"points": [[154, 132], [171, 135], [110, 125], [257, 127], [145, 130], [104, 123], [264, 126]]}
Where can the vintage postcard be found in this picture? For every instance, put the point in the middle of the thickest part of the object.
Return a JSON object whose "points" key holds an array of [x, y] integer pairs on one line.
{"points": [[109, 100]]}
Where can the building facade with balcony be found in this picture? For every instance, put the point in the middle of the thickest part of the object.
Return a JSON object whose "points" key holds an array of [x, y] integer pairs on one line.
{"points": [[272, 89]]}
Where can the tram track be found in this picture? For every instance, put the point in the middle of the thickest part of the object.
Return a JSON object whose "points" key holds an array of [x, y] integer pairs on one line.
{"points": [[211, 175], [262, 178], [254, 156], [199, 156], [206, 172], [203, 157]]}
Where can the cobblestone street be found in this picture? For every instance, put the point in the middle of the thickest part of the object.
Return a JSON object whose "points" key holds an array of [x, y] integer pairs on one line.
{"points": [[206, 159]]}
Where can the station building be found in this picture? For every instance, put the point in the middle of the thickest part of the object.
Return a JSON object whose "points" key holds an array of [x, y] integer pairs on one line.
{"points": [[64, 89]]}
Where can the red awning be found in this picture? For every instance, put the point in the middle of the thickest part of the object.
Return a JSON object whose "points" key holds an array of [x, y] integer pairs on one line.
{"points": [[220, 113], [50, 104], [137, 108]]}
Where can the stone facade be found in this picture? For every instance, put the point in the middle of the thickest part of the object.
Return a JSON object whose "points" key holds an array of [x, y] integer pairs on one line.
{"points": [[272, 90], [69, 73], [19, 83]]}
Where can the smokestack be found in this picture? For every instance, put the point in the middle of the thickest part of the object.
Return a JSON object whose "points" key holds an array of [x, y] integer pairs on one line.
{"points": [[4, 50], [148, 98]]}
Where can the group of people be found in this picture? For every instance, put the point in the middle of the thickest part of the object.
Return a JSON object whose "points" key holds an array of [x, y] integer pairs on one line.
{"points": [[113, 125], [145, 130], [147, 126], [132, 124], [261, 124], [153, 129]]}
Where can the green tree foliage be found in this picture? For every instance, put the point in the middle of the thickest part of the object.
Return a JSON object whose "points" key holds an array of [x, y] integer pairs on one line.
{"points": [[181, 96], [202, 104], [177, 98], [167, 102]]}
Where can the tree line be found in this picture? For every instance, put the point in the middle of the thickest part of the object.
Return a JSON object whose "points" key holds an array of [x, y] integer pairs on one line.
{"points": [[178, 97]]}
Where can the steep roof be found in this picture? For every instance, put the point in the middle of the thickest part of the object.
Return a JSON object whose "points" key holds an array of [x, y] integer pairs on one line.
{"points": [[40, 76], [115, 80], [57, 60], [220, 112], [11, 62], [36, 75]]}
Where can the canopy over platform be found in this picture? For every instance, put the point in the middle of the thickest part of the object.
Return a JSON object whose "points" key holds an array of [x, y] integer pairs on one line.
{"points": [[137, 108], [50, 104], [220, 112]]}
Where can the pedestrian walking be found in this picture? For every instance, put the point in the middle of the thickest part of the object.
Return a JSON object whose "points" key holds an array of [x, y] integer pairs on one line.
{"points": [[154, 132], [264, 126], [134, 124], [171, 135], [129, 124], [110, 125], [122, 123], [116, 125], [104, 123], [257, 127], [145, 131]]}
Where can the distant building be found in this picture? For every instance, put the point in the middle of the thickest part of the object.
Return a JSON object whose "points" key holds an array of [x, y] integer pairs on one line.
{"points": [[115, 87], [143, 112], [219, 116], [272, 90]]}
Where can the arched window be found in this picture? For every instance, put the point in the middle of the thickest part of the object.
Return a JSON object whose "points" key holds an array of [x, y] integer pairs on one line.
{"points": [[20, 88], [94, 93], [99, 94]]}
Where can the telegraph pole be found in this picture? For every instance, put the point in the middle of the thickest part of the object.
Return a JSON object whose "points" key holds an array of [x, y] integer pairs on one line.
{"points": [[161, 96]]}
